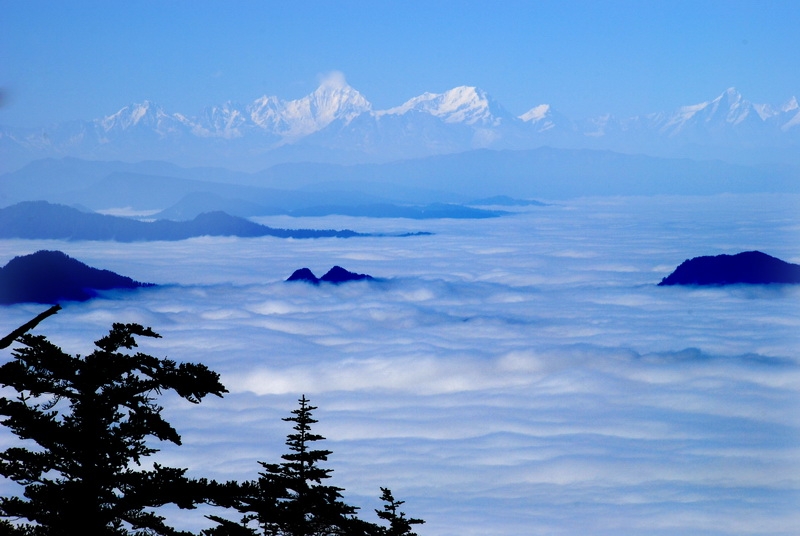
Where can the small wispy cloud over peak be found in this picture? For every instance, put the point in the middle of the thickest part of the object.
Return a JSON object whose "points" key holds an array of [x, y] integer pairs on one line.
{"points": [[333, 80]]}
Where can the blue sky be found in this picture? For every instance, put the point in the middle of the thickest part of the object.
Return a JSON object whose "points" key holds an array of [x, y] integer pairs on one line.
{"points": [[82, 60]]}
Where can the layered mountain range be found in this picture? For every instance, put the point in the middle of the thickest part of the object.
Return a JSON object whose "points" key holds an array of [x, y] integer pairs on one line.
{"points": [[337, 124]]}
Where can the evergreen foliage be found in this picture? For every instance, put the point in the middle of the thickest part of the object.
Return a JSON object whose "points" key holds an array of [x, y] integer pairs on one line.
{"points": [[305, 506], [399, 524], [291, 498], [83, 423]]}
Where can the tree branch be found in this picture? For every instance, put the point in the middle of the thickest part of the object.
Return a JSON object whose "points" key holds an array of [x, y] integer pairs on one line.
{"points": [[6, 341]]}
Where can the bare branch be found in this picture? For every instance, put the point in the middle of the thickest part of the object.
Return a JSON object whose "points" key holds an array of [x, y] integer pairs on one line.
{"points": [[6, 341]]}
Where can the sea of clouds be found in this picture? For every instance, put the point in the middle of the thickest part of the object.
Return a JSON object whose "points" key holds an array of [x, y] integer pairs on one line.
{"points": [[519, 375]]}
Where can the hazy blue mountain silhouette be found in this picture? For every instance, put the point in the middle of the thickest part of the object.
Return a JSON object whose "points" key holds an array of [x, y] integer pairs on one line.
{"points": [[388, 210], [196, 203], [749, 267], [188, 192], [42, 220], [52, 277], [504, 200], [335, 275], [544, 172], [199, 202], [547, 172]]}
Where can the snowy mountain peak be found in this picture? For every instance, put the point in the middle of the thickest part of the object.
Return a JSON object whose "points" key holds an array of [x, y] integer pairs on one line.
{"points": [[764, 111], [336, 99], [223, 121], [790, 105], [542, 118], [732, 94], [737, 107], [535, 114], [266, 112], [333, 100], [463, 104], [335, 119], [145, 113], [729, 107]]}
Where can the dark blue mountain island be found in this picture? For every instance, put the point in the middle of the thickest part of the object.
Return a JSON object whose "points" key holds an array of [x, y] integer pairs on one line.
{"points": [[749, 267], [335, 275], [53, 277]]}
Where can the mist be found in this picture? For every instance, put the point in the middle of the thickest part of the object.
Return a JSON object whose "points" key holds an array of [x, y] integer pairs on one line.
{"points": [[518, 375]]}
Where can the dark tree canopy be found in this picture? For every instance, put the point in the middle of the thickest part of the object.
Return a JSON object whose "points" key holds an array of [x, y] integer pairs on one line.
{"points": [[291, 498], [83, 425], [399, 524]]}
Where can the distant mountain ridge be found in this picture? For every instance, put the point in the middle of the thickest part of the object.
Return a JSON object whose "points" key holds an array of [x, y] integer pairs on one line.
{"points": [[42, 220], [409, 188], [337, 124]]}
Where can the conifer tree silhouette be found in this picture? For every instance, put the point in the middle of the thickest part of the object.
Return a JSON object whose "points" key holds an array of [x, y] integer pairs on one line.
{"points": [[399, 524], [303, 504], [83, 423], [291, 498]]}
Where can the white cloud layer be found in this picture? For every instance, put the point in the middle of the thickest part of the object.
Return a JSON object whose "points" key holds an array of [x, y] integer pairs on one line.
{"points": [[521, 375]]}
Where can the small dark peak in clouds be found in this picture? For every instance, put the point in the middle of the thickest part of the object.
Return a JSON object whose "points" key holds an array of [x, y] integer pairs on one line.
{"points": [[749, 267], [335, 275], [304, 274], [52, 277]]}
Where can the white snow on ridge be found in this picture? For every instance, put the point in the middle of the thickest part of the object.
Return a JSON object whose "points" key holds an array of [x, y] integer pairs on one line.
{"points": [[126, 116], [540, 116], [790, 105], [139, 112], [793, 122], [764, 111], [333, 99], [684, 114], [461, 118], [738, 107], [537, 113], [266, 112], [145, 114], [463, 104], [729, 107], [336, 100]]}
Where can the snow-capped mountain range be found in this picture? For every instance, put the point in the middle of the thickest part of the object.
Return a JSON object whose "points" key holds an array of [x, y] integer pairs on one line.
{"points": [[336, 123]]}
